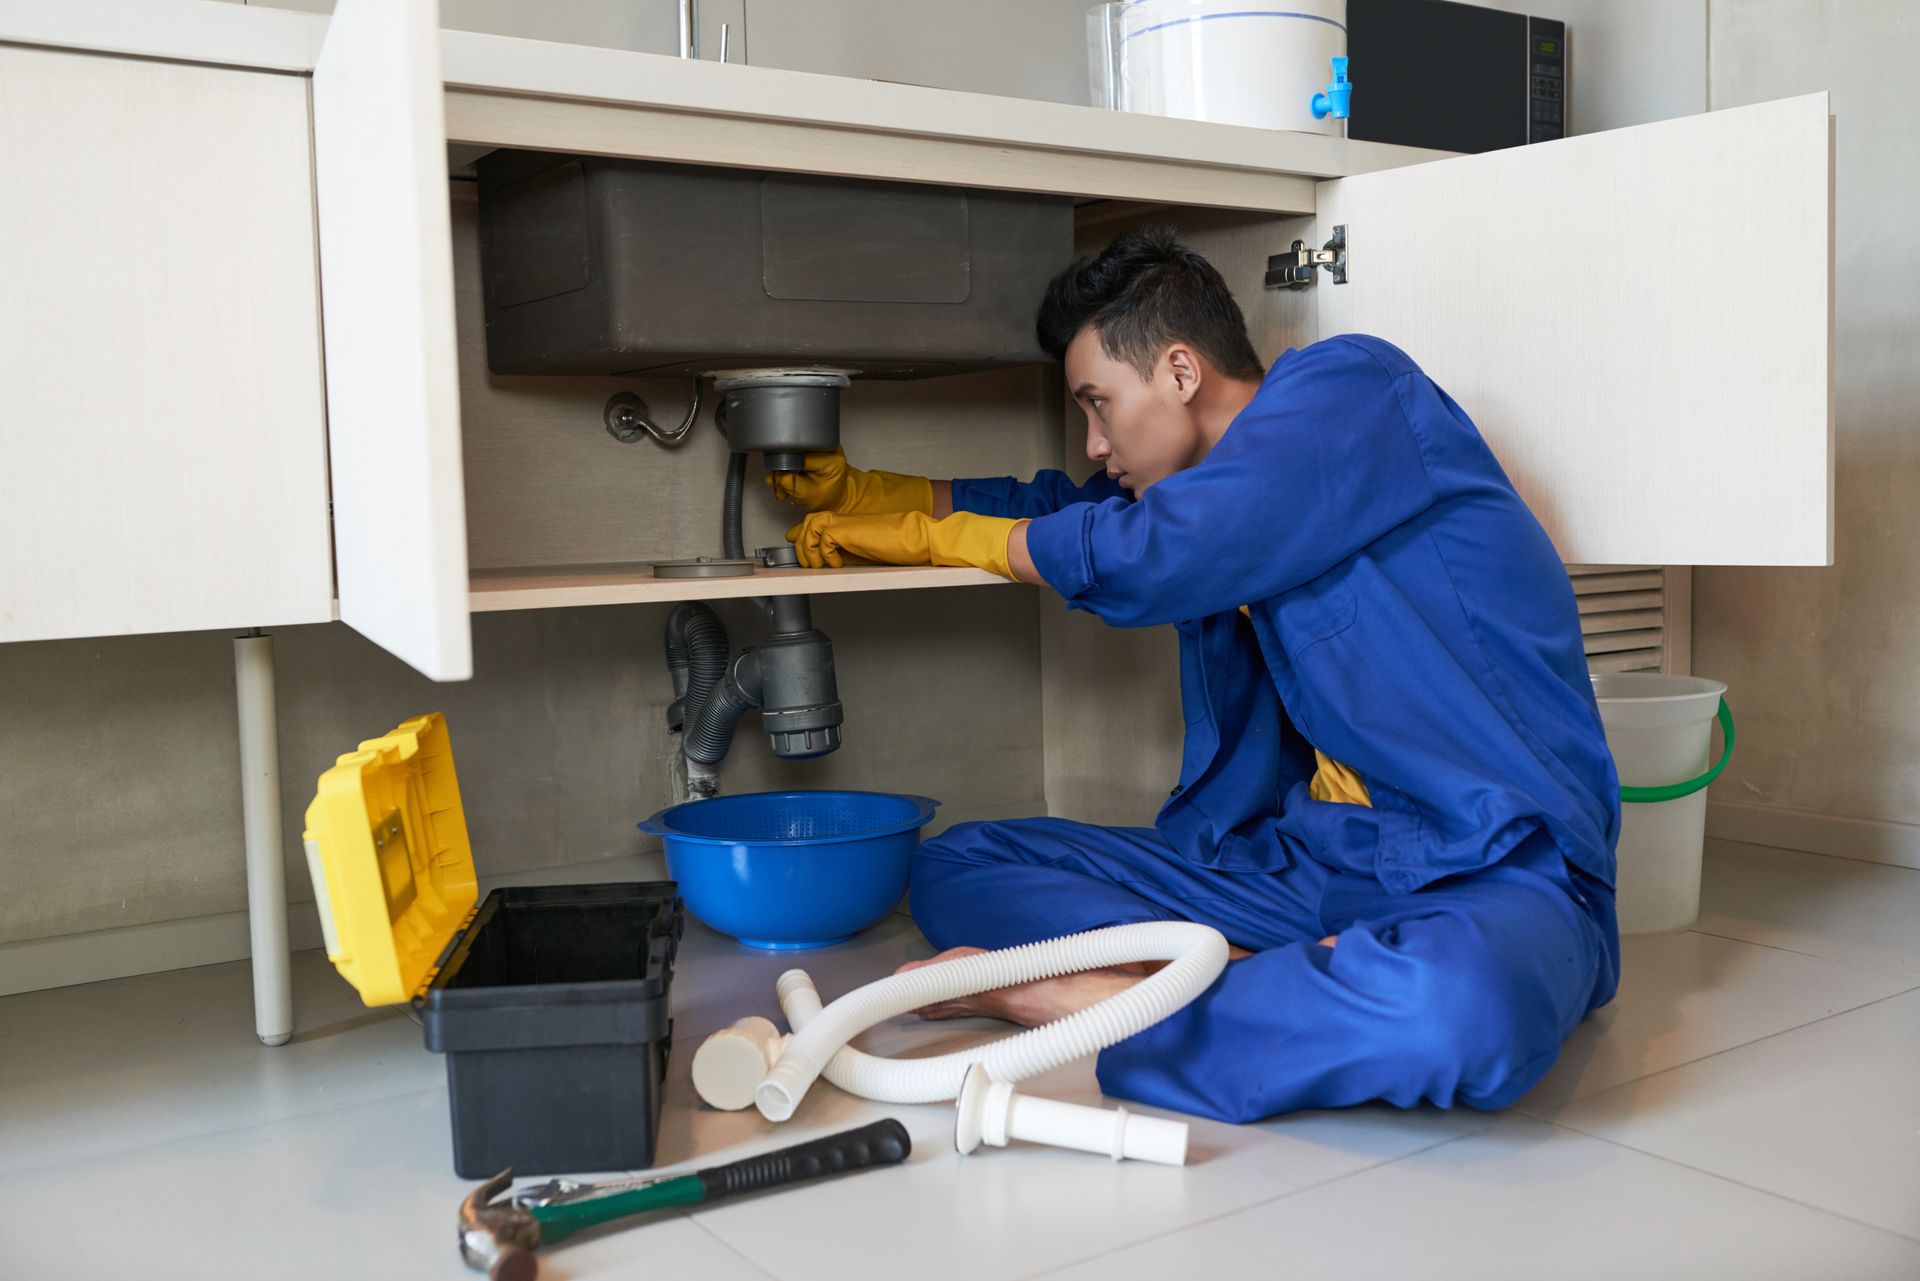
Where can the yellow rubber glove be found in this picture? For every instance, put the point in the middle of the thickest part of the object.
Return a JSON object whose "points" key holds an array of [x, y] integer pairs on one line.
{"points": [[826, 539], [830, 485]]}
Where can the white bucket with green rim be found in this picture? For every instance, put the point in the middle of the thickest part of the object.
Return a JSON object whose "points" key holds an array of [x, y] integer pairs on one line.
{"points": [[1660, 730]]}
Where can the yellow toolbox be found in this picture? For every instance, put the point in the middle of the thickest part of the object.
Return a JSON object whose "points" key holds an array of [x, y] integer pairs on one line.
{"points": [[550, 1002]]}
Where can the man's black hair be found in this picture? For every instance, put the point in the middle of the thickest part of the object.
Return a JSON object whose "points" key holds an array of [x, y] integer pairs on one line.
{"points": [[1142, 293]]}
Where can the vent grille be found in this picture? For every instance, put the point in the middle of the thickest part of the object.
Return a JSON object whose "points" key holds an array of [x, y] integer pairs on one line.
{"points": [[1623, 616]]}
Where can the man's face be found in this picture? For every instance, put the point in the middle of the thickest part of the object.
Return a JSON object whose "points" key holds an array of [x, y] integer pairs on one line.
{"points": [[1142, 430]]}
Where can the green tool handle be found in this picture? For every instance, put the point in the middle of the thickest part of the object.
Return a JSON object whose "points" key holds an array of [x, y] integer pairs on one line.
{"points": [[882, 1143], [568, 1217]]}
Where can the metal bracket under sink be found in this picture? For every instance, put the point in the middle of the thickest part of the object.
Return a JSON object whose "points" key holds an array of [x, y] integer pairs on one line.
{"points": [[1294, 269]]}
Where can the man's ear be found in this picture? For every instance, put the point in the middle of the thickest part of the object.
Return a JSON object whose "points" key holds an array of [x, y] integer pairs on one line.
{"points": [[1184, 364]]}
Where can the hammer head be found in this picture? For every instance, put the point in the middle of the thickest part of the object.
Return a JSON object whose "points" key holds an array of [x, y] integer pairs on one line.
{"points": [[498, 1240]]}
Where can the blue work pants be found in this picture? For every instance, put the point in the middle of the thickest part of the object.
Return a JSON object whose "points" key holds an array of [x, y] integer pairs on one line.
{"points": [[1460, 992]]}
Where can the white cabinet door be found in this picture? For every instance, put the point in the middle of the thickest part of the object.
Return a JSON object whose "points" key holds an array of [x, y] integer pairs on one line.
{"points": [[1639, 321], [393, 403], [162, 450]]}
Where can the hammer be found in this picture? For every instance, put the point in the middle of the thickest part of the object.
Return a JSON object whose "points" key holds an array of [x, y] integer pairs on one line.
{"points": [[499, 1238]]}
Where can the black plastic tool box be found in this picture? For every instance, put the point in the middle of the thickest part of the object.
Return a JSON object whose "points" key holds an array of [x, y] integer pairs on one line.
{"points": [[551, 1003]]}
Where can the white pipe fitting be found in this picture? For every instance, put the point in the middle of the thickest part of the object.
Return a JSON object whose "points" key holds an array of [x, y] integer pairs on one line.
{"points": [[993, 1112], [732, 1062]]}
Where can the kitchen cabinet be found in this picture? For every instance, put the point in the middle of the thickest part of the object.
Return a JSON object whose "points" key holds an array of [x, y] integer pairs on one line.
{"points": [[1638, 320], [1613, 310], [162, 433]]}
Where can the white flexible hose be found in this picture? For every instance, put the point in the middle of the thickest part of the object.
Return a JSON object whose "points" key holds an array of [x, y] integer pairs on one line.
{"points": [[1196, 955]]}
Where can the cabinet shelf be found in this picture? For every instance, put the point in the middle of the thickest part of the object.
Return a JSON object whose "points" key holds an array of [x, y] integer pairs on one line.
{"points": [[559, 586], [507, 92]]}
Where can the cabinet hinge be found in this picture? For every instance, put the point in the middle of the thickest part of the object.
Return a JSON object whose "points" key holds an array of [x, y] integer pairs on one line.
{"points": [[1294, 269]]}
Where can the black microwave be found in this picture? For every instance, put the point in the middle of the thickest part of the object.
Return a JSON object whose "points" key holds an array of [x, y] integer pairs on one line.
{"points": [[1455, 77]]}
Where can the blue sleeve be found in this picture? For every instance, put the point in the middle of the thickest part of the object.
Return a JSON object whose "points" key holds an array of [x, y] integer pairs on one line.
{"points": [[1043, 495], [1326, 459]]}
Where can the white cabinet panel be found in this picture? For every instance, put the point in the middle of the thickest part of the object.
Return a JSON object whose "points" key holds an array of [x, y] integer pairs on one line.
{"points": [[1639, 321], [162, 450], [393, 400]]}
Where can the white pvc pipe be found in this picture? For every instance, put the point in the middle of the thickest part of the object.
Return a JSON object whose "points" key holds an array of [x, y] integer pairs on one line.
{"points": [[1196, 954], [995, 1113], [730, 1064], [260, 815]]}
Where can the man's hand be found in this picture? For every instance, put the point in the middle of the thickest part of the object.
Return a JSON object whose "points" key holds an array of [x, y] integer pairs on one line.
{"points": [[826, 539], [829, 484]]}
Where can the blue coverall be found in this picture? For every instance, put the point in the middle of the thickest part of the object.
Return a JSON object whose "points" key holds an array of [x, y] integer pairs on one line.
{"points": [[1407, 616]]}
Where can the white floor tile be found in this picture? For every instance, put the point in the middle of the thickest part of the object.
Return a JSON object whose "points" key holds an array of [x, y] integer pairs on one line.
{"points": [[1316, 1146], [974, 1217], [1685, 996], [1827, 1114], [359, 1191], [1521, 1200], [1864, 913], [716, 980], [1004, 1213], [330, 1156], [107, 1067]]}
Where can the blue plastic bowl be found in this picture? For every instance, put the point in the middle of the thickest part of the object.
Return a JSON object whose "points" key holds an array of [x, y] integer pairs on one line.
{"points": [[792, 870]]}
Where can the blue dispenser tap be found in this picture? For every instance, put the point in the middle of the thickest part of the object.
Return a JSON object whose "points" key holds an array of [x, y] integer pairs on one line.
{"points": [[1338, 97]]}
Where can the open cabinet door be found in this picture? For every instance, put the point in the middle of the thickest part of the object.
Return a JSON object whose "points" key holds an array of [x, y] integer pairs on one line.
{"points": [[386, 273], [1639, 321]]}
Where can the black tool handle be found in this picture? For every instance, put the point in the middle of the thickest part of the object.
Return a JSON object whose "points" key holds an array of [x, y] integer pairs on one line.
{"points": [[882, 1143]]}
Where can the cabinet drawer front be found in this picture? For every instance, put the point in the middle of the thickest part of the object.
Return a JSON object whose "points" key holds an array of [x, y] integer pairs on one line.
{"points": [[162, 443]]}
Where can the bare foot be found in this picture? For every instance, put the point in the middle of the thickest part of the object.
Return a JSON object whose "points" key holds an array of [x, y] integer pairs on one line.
{"points": [[1031, 1004], [1044, 1000], [960, 1008]]}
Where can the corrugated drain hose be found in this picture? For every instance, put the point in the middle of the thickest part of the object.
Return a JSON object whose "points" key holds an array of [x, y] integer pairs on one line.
{"points": [[697, 657], [710, 727], [733, 546], [1196, 954]]}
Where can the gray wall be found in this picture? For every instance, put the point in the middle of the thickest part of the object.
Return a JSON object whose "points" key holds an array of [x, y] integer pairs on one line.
{"points": [[119, 774], [649, 26], [1631, 61], [1016, 48], [1824, 664]]}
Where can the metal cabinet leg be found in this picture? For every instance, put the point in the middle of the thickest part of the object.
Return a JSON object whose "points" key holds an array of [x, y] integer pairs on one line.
{"points": [[260, 808]]}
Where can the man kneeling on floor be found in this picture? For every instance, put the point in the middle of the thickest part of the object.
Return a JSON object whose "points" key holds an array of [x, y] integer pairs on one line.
{"points": [[1395, 799]]}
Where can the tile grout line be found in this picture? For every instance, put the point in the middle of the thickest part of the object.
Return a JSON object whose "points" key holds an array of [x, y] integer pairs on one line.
{"points": [[1729, 1179], [1804, 853], [1198, 1223], [1639, 1080], [727, 1245], [1794, 951], [1256, 1205]]}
